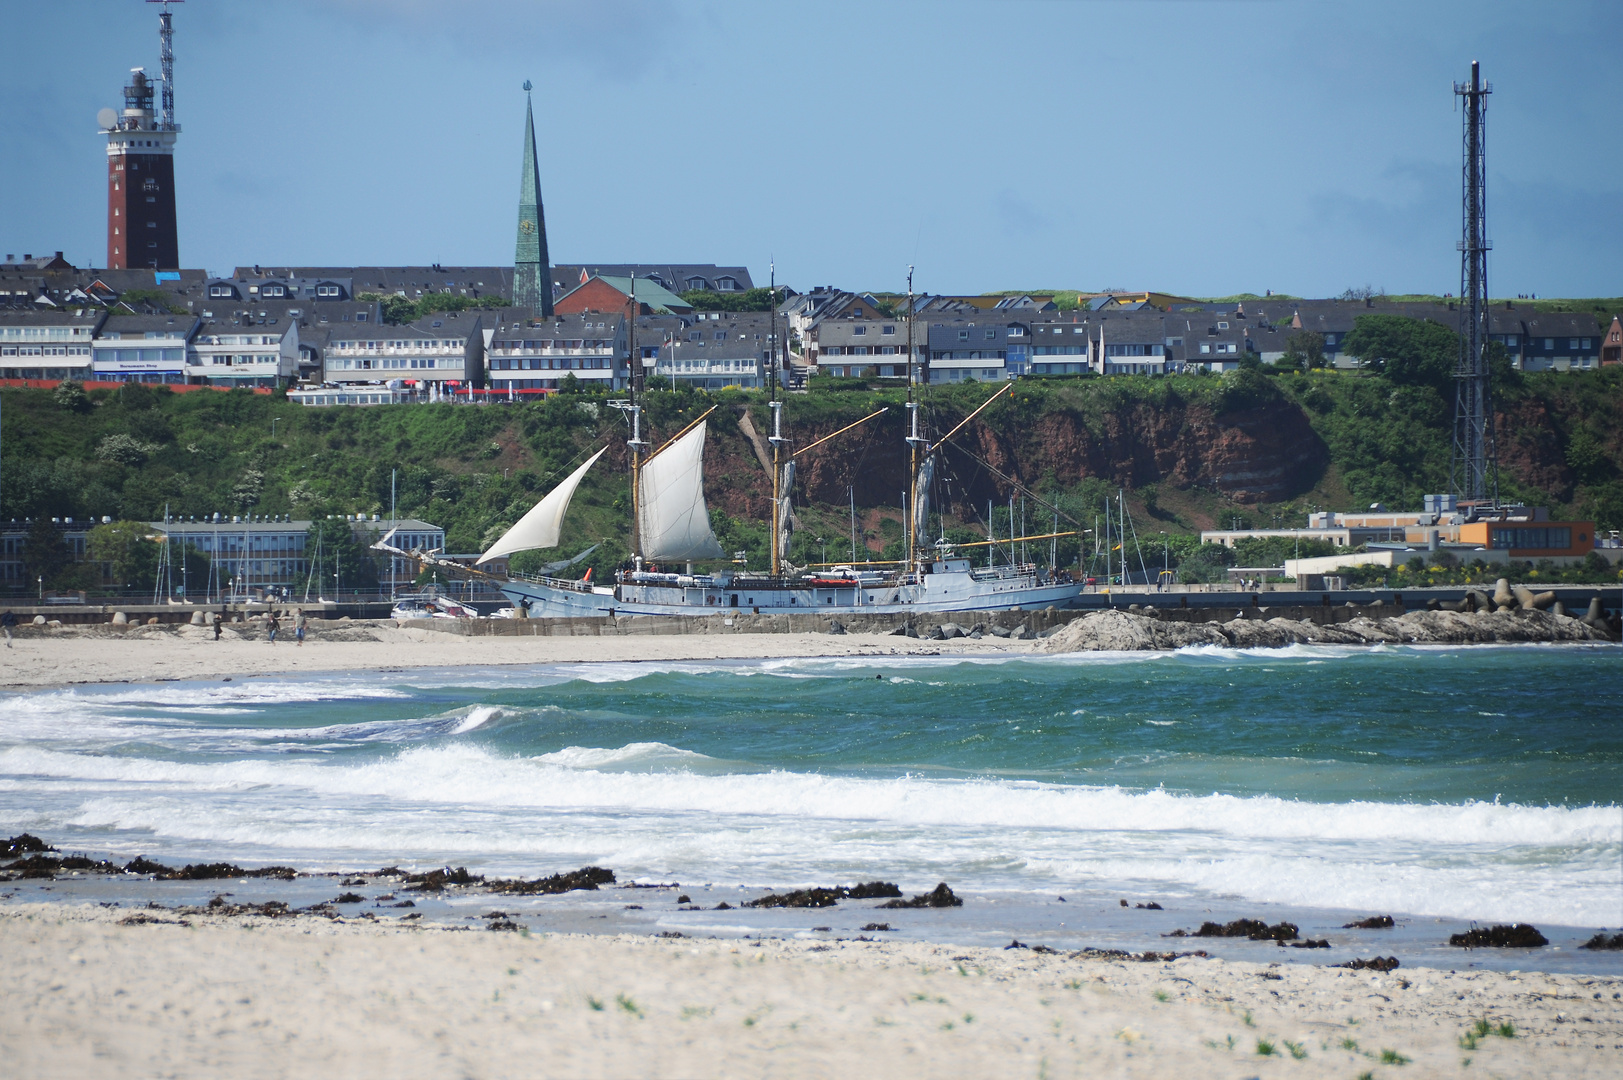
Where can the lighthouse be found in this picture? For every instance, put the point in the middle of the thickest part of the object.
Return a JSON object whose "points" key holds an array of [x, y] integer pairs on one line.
{"points": [[141, 224]]}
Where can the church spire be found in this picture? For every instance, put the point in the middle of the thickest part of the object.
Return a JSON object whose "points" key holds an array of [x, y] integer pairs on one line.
{"points": [[532, 274]]}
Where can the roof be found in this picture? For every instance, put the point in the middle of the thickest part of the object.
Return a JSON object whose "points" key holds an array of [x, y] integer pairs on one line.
{"points": [[648, 292], [50, 316], [514, 324], [673, 276], [184, 325], [411, 280]]}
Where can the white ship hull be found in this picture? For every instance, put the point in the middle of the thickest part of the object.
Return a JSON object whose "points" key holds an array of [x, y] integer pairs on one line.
{"points": [[952, 586]]}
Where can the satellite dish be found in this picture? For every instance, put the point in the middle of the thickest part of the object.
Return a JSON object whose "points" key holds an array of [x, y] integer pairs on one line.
{"points": [[107, 118]]}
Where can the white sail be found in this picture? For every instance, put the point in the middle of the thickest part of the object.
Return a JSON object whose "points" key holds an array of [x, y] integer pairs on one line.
{"points": [[539, 528], [921, 502], [672, 518], [786, 518]]}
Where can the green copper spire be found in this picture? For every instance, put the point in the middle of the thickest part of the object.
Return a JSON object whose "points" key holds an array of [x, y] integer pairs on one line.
{"points": [[532, 274]]}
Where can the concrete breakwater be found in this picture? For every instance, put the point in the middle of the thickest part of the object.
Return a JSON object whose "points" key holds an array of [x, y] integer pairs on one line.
{"points": [[1127, 631]]}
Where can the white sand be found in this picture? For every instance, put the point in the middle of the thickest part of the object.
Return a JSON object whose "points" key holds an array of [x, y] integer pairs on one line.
{"points": [[103, 654], [87, 997]]}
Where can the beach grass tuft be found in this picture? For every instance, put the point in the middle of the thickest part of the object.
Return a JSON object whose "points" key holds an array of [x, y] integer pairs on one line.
{"points": [[1297, 1050], [1265, 1048], [1161, 995], [595, 1004], [1392, 1057], [628, 1005], [1350, 1043]]}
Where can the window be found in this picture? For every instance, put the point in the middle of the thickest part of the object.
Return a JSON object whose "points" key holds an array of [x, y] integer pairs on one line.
{"points": [[858, 331], [1573, 344], [1205, 347], [887, 330], [963, 335], [1549, 344], [1586, 344], [991, 335], [1222, 326], [1541, 539]]}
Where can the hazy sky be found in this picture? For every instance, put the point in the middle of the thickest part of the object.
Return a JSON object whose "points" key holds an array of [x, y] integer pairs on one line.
{"points": [[1201, 148]]}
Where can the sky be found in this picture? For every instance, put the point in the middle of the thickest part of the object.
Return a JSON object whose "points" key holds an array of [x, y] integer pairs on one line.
{"points": [[1196, 147]]}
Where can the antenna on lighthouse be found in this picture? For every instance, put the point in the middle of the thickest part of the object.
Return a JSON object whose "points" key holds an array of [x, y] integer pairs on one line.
{"points": [[166, 55]]}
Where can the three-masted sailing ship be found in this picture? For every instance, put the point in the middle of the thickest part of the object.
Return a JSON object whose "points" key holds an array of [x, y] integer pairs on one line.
{"points": [[671, 527]]}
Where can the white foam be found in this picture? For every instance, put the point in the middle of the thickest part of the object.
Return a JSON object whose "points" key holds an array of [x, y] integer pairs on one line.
{"points": [[478, 717]]}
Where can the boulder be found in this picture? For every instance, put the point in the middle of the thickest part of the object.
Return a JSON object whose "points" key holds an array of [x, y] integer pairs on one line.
{"points": [[198, 618], [39, 620], [120, 619], [1003, 631], [1503, 598]]}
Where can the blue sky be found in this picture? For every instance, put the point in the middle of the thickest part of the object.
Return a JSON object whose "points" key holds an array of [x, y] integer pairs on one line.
{"points": [[1202, 148]]}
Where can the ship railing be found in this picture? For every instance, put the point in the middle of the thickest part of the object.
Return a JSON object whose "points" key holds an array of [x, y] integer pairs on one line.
{"points": [[568, 585], [1002, 573]]}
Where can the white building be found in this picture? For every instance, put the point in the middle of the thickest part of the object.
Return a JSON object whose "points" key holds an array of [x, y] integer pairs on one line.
{"points": [[44, 342]]}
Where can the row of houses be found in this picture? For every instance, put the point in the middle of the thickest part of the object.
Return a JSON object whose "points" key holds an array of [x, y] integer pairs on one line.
{"points": [[854, 335], [322, 331]]}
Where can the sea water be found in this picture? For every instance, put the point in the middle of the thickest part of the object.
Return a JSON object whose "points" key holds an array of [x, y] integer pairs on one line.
{"points": [[1477, 783]]}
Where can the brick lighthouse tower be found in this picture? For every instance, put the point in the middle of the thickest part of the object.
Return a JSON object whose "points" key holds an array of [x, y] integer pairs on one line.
{"points": [[141, 226]]}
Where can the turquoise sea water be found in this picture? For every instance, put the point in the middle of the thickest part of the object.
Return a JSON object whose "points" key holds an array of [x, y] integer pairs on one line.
{"points": [[1475, 783]]}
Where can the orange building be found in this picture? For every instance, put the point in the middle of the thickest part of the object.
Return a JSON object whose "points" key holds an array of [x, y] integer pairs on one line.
{"points": [[1611, 346], [1532, 539]]}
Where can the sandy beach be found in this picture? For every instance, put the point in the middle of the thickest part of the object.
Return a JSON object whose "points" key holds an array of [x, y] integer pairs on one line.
{"points": [[94, 991], [104, 654]]}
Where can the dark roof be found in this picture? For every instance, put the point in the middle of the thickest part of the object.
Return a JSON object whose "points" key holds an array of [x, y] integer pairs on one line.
{"points": [[412, 280], [673, 276], [140, 324]]}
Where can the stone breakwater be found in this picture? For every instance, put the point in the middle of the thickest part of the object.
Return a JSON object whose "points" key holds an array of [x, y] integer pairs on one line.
{"points": [[1127, 631]]}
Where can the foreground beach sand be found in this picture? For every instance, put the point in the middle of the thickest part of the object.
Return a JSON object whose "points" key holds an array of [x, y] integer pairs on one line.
{"points": [[145, 654], [96, 992]]}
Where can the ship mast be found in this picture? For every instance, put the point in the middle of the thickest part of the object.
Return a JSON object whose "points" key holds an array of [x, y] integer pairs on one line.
{"points": [[914, 441], [777, 440], [634, 407]]}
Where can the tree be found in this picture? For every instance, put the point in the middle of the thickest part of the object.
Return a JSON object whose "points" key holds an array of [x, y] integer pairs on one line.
{"points": [[1413, 352], [44, 555], [748, 300], [331, 547], [126, 552], [71, 396], [1304, 350]]}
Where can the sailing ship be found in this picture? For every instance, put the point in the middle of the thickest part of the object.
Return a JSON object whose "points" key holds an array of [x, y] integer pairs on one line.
{"points": [[671, 527]]}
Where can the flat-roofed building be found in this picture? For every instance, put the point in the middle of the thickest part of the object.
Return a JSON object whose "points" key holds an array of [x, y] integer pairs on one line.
{"points": [[143, 348], [45, 342], [433, 354], [527, 354], [711, 351]]}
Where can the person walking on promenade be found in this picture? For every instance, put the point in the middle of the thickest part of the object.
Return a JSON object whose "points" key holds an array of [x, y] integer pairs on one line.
{"points": [[298, 626], [272, 625], [8, 622]]}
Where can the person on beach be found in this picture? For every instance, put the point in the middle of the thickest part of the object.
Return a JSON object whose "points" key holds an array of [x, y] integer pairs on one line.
{"points": [[219, 621], [298, 626], [272, 625], [8, 622]]}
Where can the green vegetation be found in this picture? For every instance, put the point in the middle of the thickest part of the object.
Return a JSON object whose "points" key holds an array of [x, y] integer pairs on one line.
{"points": [[399, 310], [748, 300], [1369, 436], [141, 299]]}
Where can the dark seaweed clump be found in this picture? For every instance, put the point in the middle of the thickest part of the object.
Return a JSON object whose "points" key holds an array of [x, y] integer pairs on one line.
{"points": [[1380, 963], [939, 897], [1255, 929], [1374, 922], [26, 844], [1311, 943], [825, 897], [214, 871], [44, 866], [437, 880], [1600, 942], [587, 877], [1518, 936], [1146, 957]]}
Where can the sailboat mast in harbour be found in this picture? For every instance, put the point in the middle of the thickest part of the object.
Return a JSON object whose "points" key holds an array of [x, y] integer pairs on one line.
{"points": [[780, 489]]}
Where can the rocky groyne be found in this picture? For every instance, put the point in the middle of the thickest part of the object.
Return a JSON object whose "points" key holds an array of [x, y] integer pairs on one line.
{"points": [[1128, 631]]}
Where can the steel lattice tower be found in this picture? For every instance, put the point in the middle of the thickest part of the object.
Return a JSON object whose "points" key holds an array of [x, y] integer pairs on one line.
{"points": [[1474, 470]]}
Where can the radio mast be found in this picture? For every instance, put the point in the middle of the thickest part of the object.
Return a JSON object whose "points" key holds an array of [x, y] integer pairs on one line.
{"points": [[1474, 468]]}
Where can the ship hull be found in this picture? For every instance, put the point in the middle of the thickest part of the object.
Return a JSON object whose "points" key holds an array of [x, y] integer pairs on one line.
{"points": [[942, 592]]}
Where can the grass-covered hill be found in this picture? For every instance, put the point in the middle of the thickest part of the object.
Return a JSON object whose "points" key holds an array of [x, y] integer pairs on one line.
{"points": [[1252, 447]]}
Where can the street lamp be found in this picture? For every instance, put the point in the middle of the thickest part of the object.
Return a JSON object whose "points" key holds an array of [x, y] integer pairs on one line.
{"points": [[825, 550], [274, 421]]}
